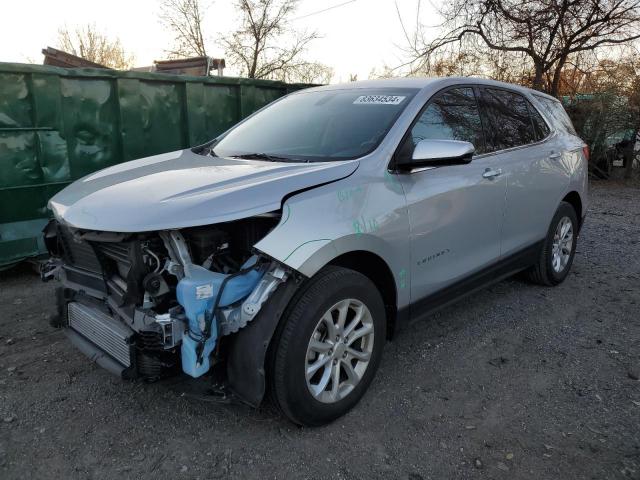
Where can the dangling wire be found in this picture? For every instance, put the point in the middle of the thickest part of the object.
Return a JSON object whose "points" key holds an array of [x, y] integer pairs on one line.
{"points": [[155, 257]]}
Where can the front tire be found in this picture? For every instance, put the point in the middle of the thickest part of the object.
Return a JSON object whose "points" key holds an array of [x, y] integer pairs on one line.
{"points": [[328, 346], [559, 248]]}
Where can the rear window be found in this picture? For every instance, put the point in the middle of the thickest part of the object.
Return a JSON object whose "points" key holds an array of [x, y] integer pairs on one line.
{"points": [[556, 113], [510, 123]]}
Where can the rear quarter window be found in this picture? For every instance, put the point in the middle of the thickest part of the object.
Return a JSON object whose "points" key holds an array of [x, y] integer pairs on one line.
{"points": [[556, 113], [541, 127]]}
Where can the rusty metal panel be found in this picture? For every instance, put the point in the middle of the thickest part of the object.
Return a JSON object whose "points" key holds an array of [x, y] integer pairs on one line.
{"points": [[57, 125]]}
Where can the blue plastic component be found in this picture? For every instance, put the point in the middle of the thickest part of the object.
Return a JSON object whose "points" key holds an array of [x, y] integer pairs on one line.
{"points": [[197, 294]]}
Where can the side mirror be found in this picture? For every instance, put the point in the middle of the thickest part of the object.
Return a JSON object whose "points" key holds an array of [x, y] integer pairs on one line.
{"points": [[436, 153]]}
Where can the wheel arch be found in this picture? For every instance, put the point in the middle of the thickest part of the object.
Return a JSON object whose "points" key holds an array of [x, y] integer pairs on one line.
{"points": [[247, 373], [375, 269], [573, 199]]}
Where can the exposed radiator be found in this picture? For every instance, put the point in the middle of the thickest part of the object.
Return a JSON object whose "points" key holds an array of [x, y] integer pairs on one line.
{"points": [[107, 333], [78, 253]]}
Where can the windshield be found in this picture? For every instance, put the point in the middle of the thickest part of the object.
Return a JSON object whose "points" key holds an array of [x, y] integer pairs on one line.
{"points": [[318, 126]]}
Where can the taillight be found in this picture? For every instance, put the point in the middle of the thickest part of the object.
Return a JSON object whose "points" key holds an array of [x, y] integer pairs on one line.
{"points": [[585, 151]]}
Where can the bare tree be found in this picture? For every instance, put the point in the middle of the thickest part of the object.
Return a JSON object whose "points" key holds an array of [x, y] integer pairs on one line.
{"points": [[547, 33], [87, 42], [454, 59], [185, 19], [265, 45], [312, 73]]}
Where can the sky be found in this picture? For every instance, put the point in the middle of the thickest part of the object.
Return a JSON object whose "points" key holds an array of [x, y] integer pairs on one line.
{"points": [[357, 36]]}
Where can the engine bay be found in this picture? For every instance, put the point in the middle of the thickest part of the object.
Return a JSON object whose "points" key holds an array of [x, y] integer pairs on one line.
{"points": [[179, 292]]}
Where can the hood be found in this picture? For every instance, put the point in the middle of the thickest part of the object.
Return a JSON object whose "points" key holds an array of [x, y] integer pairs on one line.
{"points": [[184, 189]]}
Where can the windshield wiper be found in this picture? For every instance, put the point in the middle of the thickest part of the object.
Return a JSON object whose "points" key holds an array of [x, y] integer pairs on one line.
{"points": [[263, 156]]}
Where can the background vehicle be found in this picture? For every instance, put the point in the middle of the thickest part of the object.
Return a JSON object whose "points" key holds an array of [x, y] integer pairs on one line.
{"points": [[293, 245]]}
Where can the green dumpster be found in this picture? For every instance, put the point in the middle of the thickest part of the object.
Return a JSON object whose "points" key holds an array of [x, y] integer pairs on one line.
{"points": [[57, 125]]}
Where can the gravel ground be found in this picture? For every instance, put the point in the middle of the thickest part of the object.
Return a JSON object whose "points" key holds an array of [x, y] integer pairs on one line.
{"points": [[517, 381]]}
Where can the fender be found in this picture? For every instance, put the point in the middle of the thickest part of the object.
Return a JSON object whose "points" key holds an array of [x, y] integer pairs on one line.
{"points": [[366, 214], [328, 251]]}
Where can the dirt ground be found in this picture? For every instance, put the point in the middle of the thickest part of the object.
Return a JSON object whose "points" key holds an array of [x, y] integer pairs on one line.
{"points": [[517, 381]]}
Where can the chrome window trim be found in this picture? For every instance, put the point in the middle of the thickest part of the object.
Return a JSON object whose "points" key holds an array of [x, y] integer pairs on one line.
{"points": [[519, 147]]}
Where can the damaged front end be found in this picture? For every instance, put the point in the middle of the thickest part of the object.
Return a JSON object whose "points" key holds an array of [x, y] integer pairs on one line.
{"points": [[144, 305]]}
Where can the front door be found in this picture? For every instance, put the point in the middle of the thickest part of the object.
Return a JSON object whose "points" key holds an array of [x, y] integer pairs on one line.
{"points": [[455, 212]]}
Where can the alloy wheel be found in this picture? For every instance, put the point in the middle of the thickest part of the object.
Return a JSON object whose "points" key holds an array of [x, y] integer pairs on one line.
{"points": [[562, 245], [339, 351]]}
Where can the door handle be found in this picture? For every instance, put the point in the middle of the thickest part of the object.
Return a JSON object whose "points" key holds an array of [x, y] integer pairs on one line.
{"points": [[555, 156], [490, 173]]}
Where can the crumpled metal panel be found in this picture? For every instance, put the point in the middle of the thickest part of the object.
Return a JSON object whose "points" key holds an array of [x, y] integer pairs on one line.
{"points": [[163, 125], [152, 117], [91, 125], [223, 100], [253, 98], [53, 157], [15, 104], [58, 125], [19, 159]]}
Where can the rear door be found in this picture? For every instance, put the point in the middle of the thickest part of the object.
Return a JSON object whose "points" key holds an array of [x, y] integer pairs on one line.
{"points": [[531, 159], [455, 212]]}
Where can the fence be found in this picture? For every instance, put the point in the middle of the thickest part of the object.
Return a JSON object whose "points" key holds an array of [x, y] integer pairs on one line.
{"points": [[57, 125]]}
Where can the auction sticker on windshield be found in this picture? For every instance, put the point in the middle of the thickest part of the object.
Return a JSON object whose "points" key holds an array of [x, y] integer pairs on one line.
{"points": [[379, 99]]}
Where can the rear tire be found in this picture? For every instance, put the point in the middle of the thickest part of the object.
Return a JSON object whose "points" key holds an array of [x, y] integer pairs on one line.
{"points": [[556, 256], [334, 329]]}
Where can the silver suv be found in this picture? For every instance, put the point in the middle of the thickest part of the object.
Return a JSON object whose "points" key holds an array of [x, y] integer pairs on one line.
{"points": [[282, 254]]}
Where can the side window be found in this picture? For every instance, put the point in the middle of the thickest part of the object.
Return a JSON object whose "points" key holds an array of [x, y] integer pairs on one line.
{"points": [[509, 121], [557, 114], [452, 115], [540, 126]]}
